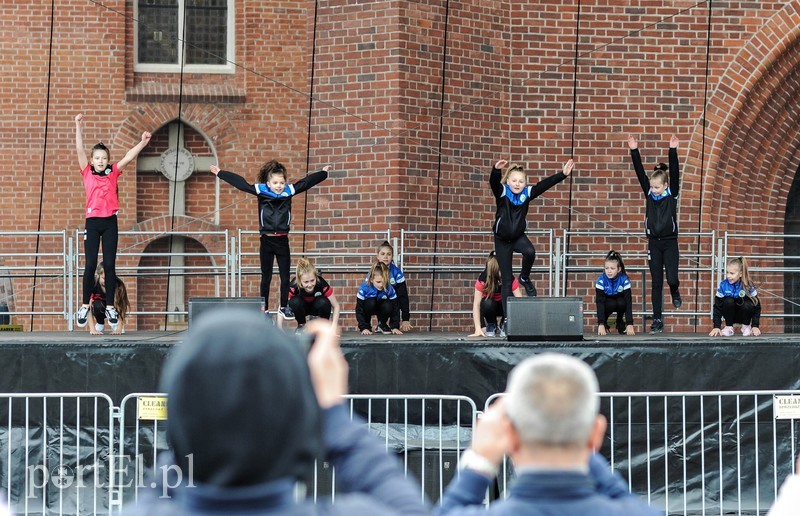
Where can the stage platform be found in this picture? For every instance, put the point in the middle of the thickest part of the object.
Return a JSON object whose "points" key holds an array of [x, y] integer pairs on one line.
{"points": [[420, 362]]}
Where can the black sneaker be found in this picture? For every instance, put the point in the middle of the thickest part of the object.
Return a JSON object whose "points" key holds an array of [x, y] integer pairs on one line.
{"points": [[656, 327], [286, 313], [621, 330], [676, 300], [383, 328], [82, 316], [528, 284]]}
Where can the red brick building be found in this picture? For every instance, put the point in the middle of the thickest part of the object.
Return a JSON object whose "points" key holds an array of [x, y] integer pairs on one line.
{"points": [[411, 102]]}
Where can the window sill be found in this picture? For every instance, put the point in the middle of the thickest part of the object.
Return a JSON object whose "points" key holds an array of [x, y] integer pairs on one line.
{"points": [[191, 93]]}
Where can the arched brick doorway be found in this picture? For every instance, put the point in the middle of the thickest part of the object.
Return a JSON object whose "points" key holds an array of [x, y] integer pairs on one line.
{"points": [[752, 150]]}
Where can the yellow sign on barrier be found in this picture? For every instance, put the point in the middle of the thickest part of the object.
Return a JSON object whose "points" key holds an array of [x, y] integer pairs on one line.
{"points": [[152, 408]]}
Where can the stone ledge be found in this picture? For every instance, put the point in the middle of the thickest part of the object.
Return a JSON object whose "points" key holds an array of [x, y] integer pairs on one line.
{"points": [[153, 92]]}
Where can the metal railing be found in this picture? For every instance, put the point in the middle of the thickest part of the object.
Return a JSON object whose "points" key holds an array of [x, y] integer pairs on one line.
{"points": [[588, 263], [56, 453], [704, 452], [346, 257]]}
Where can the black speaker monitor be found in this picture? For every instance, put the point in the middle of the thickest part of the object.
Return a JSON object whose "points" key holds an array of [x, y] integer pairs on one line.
{"points": [[545, 318]]}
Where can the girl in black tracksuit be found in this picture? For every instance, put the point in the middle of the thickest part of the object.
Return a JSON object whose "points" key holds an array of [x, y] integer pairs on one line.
{"points": [[661, 221], [512, 197], [274, 215]]}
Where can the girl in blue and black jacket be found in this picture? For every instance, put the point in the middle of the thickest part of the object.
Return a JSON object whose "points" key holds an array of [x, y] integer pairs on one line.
{"points": [[512, 197], [613, 296], [274, 216], [377, 297], [398, 281], [736, 301], [661, 222]]}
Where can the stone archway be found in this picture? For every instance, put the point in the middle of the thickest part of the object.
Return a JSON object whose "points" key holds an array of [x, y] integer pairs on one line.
{"points": [[153, 291], [791, 282], [752, 147]]}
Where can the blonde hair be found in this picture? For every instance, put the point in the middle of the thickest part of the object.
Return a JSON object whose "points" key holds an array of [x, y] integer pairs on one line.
{"points": [[379, 268], [741, 262], [660, 172], [305, 267], [513, 167]]}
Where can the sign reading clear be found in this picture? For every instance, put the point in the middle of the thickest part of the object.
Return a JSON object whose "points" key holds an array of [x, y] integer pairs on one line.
{"points": [[786, 406], [152, 408]]}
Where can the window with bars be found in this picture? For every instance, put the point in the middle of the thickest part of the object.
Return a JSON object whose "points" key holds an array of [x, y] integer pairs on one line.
{"points": [[193, 35]]}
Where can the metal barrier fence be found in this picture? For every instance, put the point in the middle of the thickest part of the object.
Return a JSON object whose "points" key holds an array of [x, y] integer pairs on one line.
{"points": [[427, 433], [57, 265], [684, 452], [56, 453], [698, 452]]}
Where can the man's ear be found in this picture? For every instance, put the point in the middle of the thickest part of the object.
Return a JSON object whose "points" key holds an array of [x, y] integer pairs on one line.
{"points": [[598, 432], [514, 442]]}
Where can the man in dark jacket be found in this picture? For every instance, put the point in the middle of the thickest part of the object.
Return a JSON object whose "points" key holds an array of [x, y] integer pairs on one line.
{"points": [[248, 414], [549, 424]]}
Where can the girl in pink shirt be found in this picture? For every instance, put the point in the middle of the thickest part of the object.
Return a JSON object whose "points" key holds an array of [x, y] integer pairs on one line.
{"points": [[100, 180]]}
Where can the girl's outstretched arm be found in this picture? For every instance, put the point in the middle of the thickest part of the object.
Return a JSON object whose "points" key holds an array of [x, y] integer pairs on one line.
{"points": [[131, 155], [644, 181], [674, 169], [82, 159]]}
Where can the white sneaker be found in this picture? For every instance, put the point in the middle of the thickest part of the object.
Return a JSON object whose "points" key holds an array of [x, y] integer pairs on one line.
{"points": [[82, 317], [99, 327], [727, 331], [747, 330], [112, 316]]}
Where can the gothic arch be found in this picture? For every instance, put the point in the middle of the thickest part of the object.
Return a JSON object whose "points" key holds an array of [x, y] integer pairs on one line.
{"points": [[752, 138]]}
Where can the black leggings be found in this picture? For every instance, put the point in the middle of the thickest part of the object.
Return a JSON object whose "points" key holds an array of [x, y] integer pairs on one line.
{"points": [[504, 251], [616, 305], [662, 254], [320, 307], [738, 310], [274, 247], [100, 229], [381, 308], [491, 309]]}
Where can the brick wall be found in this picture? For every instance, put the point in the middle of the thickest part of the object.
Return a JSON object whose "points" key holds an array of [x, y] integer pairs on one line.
{"points": [[411, 136]]}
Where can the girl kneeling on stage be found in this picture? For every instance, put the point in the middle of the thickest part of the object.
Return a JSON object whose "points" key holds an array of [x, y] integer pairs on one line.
{"points": [[613, 296], [310, 295], [99, 303], [376, 296], [487, 306], [736, 301]]}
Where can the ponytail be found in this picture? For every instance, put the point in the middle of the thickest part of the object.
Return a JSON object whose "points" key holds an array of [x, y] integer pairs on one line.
{"points": [[493, 278], [121, 301]]}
